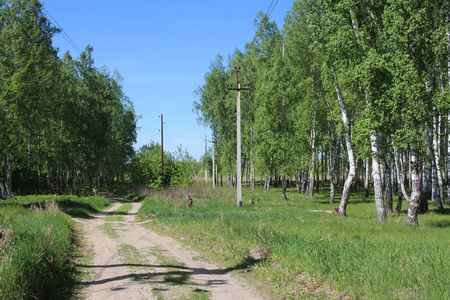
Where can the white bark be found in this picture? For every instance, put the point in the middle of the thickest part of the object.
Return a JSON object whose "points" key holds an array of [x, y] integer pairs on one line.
{"points": [[426, 178], [332, 172], [437, 158], [412, 218], [448, 160], [376, 174], [435, 190], [400, 174], [413, 199], [396, 181], [447, 12], [312, 163], [366, 178], [351, 157]]}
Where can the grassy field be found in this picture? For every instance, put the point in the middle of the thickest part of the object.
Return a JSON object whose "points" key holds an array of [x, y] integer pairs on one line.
{"points": [[38, 244], [297, 249]]}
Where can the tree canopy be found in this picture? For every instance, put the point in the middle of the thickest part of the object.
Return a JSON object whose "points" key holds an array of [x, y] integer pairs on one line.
{"points": [[62, 121], [346, 92]]}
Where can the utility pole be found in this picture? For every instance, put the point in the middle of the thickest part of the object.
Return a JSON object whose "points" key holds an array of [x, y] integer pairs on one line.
{"points": [[213, 141], [206, 150], [162, 147], [238, 131]]}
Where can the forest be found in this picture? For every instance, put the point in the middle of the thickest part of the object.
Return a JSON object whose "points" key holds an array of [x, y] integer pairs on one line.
{"points": [[63, 122], [352, 94]]}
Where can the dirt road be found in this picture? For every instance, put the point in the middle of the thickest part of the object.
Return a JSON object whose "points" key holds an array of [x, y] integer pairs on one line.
{"points": [[132, 262]]}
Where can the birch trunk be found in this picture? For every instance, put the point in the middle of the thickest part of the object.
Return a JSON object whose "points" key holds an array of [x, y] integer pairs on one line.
{"points": [[333, 156], [38, 162], [396, 183], [312, 164], [366, 178], [430, 160], [435, 190], [267, 183], [323, 163], [5, 184], [447, 12], [448, 159], [388, 189], [413, 200], [298, 182], [412, 217], [351, 157], [376, 175], [401, 180], [283, 188], [29, 152], [426, 178], [252, 172], [437, 157]]}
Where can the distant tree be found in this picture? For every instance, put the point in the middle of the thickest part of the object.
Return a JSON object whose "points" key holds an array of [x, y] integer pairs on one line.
{"points": [[178, 168]]}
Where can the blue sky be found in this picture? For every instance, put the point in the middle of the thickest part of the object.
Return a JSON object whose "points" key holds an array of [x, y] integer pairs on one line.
{"points": [[162, 49]]}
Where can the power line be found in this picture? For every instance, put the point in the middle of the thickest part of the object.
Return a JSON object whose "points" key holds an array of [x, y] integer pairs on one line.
{"points": [[63, 33], [144, 112], [271, 8]]}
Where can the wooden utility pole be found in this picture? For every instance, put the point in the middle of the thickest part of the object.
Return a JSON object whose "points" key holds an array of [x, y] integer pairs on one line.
{"points": [[238, 134], [162, 147], [206, 151], [213, 164]]}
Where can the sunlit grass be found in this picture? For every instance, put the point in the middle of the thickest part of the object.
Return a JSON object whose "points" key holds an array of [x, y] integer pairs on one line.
{"points": [[357, 255], [38, 244], [118, 214]]}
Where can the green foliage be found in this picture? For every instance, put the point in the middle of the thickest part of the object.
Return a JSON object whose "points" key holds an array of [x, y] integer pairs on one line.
{"points": [[184, 172], [178, 169], [357, 255], [216, 108], [59, 118], [337, 71]]}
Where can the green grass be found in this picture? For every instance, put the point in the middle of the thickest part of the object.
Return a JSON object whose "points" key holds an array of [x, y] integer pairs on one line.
{"points": [[118, 214], [196, 294], [74, 206], [355, 255], [39, 244], [110, 230], [131, 255], [174, 275]]}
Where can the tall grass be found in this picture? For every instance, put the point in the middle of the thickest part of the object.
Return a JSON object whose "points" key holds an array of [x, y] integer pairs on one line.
{"points": [[37, 243], [355, 255]]}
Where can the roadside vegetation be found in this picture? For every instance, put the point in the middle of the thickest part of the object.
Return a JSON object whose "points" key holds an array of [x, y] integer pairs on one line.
{"points": [[292, 249], [304, 249], [38, 243]]}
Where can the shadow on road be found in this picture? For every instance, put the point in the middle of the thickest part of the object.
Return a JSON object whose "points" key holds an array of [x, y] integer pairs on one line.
{"points": [[173, 274]]}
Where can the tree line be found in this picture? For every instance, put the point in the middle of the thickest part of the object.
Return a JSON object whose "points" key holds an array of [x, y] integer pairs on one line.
{"points": [[63, 122], [352, 93]]}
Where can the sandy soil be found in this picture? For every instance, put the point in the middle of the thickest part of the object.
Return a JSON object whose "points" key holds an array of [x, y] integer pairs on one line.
{"points": [[133, 262]]}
